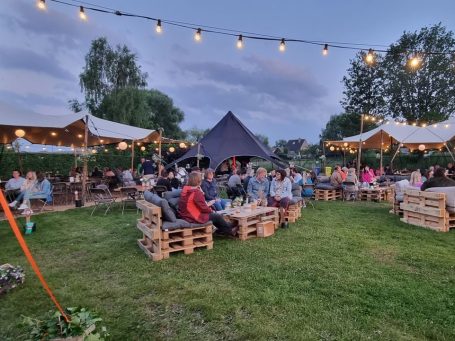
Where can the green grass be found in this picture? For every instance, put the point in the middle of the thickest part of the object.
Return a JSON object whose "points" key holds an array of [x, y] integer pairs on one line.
{"points": [[345, 271]]}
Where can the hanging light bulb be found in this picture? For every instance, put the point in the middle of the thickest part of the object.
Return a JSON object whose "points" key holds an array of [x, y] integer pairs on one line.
{"points": [[182, 145], [143, 149], [41, 4], [369, 58], [435, 125], [171, 149], [240, 42], [421, 147], [123, 145], [332, 148], [19, 133], [282, 47], [82, 14], [415, 62], [404, 123], [446, 126], [325, 50], [414, 124], [158, 27], [198, 35]]}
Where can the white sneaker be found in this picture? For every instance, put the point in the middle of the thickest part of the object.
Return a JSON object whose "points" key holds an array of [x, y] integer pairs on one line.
{"points": [[27, 211], [23, 207], [12, 204]]}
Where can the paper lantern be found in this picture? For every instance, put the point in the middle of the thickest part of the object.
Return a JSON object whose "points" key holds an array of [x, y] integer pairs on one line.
{"points": [[172, 149], [19, 133], [93, 151], [182, 145], [143, 148], [332, 148], [345, 144], [122, 145], [421, 147]]}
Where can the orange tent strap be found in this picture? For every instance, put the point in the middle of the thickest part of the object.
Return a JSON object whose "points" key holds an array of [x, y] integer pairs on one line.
{"points": [[28, 254]]}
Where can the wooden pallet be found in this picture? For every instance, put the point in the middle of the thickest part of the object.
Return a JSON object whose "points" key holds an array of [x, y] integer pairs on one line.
{"points": [[372, 195], [158, 244], [327, 194], [427, 209], [396, 209], [293, 212], [249, 223]]}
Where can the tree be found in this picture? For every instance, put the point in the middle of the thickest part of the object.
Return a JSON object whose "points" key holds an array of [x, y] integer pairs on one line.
{"points": [[195, 134], [281, 143], [107, 70], [264, 139], [343, 125], [393, 88]]}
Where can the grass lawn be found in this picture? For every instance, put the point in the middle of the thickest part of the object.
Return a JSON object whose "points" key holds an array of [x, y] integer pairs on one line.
{"points": [[345, 271]]}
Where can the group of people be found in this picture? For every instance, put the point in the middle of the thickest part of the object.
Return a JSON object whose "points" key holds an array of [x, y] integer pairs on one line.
{"points": [[20, 190]]}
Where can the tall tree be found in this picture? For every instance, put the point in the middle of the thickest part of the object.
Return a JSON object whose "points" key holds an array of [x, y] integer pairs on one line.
{"points": [[343, 125], [107, 70], [393, 87], [264, 139], [281, 143], [195, 134]]}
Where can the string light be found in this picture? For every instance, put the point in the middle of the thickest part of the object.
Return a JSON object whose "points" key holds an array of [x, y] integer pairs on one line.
{"points": [[325, 50], [415, 62], [435, 125], [158, 27], [19, 133], [198, 35], [424, 125], [282, 47], [82, 14], [240, 42], [414, 124], [369, 58], [41, 4], [446, 126]]}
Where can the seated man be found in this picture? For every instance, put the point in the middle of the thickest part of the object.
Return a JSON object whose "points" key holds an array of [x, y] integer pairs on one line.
{"points": [[194, 209], [13, 186], [336, 180], [235, 184], [439, 179], [259, 186], [296, 176], [210, 189]]}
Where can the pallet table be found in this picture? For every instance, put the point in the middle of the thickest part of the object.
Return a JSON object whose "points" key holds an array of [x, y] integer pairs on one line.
{"points": [[327, 194], [254, 222], [375, 194]]}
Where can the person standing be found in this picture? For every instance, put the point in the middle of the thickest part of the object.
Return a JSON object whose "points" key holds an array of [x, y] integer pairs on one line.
{"points": [[148, 168]]}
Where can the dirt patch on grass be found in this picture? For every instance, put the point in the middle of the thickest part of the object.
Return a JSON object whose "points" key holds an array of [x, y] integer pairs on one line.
{"points": [[383, 255]]}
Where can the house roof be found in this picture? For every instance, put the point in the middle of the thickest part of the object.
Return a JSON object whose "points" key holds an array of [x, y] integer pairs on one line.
{"points": [[295, 145]]}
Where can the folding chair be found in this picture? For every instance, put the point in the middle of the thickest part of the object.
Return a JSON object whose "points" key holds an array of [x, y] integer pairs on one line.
{"points": [[128, 196], [307, 199], [60, 193], [41, 203], [101, 196]]}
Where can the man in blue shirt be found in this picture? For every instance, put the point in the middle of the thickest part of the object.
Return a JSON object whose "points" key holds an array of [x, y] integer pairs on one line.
{"points": [[258, 186], [148, 168], [13, 186]]}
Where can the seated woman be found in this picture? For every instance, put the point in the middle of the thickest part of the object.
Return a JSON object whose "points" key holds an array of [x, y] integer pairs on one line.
{"points": [[28, 185], [127, 178], [194, 209], [163, 180], [367, 176], [210, 189], [40, 190], [175, 183], [416, 179], [280, 194]]}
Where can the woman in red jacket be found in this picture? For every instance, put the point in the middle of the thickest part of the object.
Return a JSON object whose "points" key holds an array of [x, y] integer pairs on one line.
{"points": [[194, 209]]}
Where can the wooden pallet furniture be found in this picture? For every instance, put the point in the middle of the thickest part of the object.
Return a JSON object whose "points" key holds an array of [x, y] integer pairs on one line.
{"points": [[294, 212], [158, 244], [327, 194], [252, 221], [427, 209]]}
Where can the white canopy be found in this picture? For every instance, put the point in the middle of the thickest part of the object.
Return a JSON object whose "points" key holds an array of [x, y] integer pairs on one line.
{"points": [[66, 130]]}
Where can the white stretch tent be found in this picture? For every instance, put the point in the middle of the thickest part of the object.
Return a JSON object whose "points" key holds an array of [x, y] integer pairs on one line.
{"points": [[66, 130]]}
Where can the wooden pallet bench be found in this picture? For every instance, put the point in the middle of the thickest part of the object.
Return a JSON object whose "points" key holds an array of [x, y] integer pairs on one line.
{"points": [[158, 244], [260, 222], [327, 194], [427, 209], [293, 212]]}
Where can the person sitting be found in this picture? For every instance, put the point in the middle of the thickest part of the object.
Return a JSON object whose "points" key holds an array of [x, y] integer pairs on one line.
{"points": [[259, 186], [280, 194], [235, 184], [336, 179], [127, 178], [350, 185], [416, 179], [28, 185], [450, 168], [193, 208], [175, 183], [97, 173], [344, 173], [367, 176], [13, 185], [41, 189], [296, 177], [210, 189], [439, 179], [271, 176], [308, 191], [164, 181]]}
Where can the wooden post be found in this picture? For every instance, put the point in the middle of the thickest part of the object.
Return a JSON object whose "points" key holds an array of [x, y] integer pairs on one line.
{"points": [[85, 170], [380, 161], [359, 155], [198, 153], [132, 157], [159, 149]]}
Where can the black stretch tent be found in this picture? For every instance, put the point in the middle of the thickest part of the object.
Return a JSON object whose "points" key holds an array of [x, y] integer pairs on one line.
{"points": [[227, 139]]}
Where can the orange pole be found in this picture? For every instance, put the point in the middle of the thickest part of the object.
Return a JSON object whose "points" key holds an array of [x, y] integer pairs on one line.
{"points": [[28, 254]]}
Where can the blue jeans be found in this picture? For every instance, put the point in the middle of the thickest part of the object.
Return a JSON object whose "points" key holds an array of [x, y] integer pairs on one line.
{"points": [[220, 205]]}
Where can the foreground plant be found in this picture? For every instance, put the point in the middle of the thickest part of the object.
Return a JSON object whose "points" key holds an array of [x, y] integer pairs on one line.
{"points": [[83, 325], [10, 277]]}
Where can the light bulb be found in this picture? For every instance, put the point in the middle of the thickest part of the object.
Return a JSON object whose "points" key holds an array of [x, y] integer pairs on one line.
{"points": [[198, 35], [82, 14], [171, 149], [325, 50], [20, 133], [415, 62], [158, 27], [143, 148], [369, 58], [282, 47], [240, 42], [414, 124], [41, 4], [122, 145], [424, 125]]}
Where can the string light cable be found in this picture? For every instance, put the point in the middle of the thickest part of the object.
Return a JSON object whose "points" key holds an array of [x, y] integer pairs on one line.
{"points": [[85, 6]]}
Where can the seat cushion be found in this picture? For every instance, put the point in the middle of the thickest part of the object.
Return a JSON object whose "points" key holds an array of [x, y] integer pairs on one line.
{"points": [[168, 213], [296, 190], [181, 224], [295, 200], [450, 196], [324, 186]]}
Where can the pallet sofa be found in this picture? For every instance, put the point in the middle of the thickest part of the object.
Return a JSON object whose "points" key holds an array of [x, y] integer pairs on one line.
{"points": [[433, 208]]}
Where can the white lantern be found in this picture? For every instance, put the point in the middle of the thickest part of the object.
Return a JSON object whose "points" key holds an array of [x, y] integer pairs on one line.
{"points": [[172, 149], [143, 148], [182, 145], [345, 144], [332, 148], [123, 145], [421, 147], [19, 133]]}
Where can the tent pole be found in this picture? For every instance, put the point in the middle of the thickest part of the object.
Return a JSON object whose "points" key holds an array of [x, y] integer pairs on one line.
{"points": [[75, 158], [198, 152], [359, 155], [159, 149], [380, 161], [394, 155], [450, 152], [85, 170], [132, 156]]}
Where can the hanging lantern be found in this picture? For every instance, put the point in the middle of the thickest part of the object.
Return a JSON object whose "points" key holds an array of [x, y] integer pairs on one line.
{"points": [[421, 147], [93, 151], [182, 145], [171, 149], [122, 145], [143, 148], [332, 148], [19, 133], [345, 144]]}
